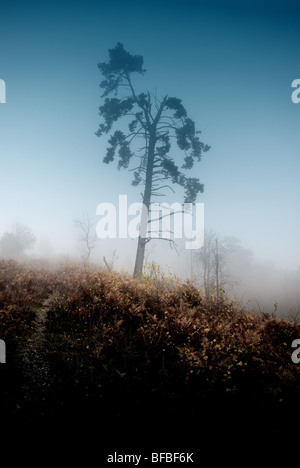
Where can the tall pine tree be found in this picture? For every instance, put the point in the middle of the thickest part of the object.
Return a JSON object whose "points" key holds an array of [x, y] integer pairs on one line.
{"points": [[154, 122]]}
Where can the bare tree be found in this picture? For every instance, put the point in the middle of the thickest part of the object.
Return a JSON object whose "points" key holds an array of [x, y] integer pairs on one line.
{"points": [[110, 265], [222, 263], [211, 258], [88, 236]]}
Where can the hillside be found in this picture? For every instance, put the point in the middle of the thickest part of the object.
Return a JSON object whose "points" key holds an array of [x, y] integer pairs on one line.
{"points": [[102, 356]]}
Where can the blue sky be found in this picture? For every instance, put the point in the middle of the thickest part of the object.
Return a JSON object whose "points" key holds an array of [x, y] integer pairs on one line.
{"points": [[231, 63]]}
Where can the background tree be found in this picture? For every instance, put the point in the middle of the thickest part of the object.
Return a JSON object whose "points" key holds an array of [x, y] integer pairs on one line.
{"points": [[153, 121], [13, 244], [88, 236], [222, 263], [211, 259]]}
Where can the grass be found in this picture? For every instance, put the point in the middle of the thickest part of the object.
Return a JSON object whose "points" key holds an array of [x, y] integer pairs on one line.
{"points": [[150, 354]]}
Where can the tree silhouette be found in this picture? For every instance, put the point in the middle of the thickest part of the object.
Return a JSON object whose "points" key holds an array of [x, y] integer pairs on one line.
{"points": [[88, 236], [212, 259], [13, 244], [153, 121]]}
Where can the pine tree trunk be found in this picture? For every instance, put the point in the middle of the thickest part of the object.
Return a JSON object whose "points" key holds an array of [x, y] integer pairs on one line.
{"points": [[142, 240], [139, 260]]}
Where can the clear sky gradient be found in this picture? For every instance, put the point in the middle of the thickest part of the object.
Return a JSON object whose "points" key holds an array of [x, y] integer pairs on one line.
{"points": [[231, 63]]}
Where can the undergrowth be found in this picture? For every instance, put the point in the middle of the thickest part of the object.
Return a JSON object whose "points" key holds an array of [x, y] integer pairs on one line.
{"points": [[122, 346]]}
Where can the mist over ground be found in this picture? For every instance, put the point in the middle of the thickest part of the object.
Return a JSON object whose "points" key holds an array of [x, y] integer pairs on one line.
{"points": [[254, 283], [167, 101], [232, 65]]}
